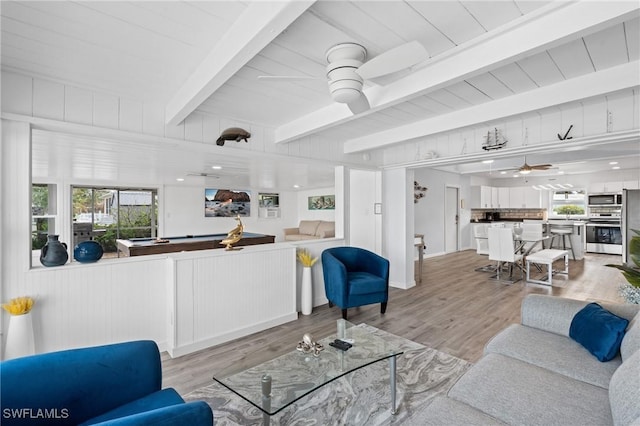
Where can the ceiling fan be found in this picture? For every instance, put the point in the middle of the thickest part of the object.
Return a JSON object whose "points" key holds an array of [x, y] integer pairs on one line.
{"points": [[526, 168], [348, 68]]}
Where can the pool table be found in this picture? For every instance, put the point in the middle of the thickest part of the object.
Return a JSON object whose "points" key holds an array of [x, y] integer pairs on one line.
{"points": [[144, 246]]}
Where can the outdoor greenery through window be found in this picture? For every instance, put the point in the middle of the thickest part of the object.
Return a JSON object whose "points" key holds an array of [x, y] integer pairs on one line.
{"points": [[43, 214], [568, 203], [107, 214]]}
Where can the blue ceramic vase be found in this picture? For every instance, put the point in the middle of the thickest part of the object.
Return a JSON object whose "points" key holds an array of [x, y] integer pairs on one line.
{"points": [[54, 253], [88, 251]]}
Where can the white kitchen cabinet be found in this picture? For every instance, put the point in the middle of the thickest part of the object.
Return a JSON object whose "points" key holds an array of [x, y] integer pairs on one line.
{"points": [[631, 184], [486, 197], [602, 187], [503, 198]]}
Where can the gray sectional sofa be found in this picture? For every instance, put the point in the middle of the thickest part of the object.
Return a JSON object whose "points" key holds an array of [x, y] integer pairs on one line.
{"points": [[533, 373]]}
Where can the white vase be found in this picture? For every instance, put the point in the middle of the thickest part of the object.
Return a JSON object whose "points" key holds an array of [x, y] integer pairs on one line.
{"points": [[20, 340], [306, 304]]}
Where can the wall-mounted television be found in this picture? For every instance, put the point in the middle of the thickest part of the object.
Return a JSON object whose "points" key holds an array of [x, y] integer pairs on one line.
{"points": [[227, 203]]}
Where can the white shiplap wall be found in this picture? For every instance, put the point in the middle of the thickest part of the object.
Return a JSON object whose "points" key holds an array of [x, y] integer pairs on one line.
{"points": [[35, 97], [219, 295], [617, 112]]}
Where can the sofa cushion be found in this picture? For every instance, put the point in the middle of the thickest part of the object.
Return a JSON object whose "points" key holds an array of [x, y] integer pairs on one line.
{"points": [[300, 237], [326, 230], [308, 227], [552, 352], [624, 392], [517, 392], [599, 331], [631, 342], [446, 411]]}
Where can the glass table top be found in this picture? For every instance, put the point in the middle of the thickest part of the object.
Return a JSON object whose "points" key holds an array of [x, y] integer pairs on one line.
{"points": [[297, 374]]}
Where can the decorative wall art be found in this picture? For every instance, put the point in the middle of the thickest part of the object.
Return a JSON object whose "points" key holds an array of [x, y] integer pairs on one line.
{"points": [[226, 203], [268, 200], [418, 191], [322, 202]]}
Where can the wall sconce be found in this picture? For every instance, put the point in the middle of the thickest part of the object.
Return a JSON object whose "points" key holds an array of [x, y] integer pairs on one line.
{"points": [[418, 191]]}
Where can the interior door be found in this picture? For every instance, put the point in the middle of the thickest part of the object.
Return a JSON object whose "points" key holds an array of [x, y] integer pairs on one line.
{"points": [[451, 219]]}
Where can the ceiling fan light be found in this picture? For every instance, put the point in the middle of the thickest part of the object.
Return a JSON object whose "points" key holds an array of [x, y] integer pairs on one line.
{"points": [[345, 95], [524, 172]]}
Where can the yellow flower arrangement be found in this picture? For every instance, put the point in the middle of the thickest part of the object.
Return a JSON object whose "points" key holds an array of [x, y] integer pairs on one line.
{"points": [[305, 258], [19, 305]]}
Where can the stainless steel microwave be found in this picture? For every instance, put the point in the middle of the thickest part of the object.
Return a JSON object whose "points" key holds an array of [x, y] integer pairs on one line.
{"points": [[605, 199]]}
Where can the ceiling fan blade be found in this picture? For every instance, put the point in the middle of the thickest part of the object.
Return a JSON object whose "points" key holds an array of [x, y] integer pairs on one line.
{"points": [[288, 77], [542, 166], [396, 59], [359, 105]]}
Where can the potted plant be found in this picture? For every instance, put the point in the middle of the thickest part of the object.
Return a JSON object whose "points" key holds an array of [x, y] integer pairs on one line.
{"points": [[306, 297], [631, 291]]}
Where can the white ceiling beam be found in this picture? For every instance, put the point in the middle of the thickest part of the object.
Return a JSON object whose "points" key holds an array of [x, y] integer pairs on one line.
{"points": [[600, 83], [543, 29], [257, 26]]}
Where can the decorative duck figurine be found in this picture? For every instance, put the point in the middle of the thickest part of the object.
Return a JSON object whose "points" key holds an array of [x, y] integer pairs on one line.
{"points": [[234, 236]]}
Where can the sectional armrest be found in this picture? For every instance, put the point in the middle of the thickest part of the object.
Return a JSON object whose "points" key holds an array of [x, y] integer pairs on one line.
{"points": [[197, 413], [550, 313], [291, 231]]}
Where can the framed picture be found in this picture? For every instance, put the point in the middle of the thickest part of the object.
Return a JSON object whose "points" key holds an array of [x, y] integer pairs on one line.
{"points": [[322, 202], [268, 200], [226, 203]]}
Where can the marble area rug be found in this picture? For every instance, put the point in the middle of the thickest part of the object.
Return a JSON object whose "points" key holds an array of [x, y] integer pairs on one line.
{"points": [[360, 398]]}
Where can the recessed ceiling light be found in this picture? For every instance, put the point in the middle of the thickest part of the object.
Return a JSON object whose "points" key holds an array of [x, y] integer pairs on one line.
{"points": [[616, 167], [613, 162], [516, 175], [503, 172], [296, 186], [216, 167], [560, 172], [487, 161], [180, 179]]}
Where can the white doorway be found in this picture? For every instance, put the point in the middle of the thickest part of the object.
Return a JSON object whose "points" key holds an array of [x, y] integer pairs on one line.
{"points": [[451, 219]]}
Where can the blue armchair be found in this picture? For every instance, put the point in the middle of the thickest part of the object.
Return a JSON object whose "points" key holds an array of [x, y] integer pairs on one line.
{"points": [[355, 277], [112, 384]]}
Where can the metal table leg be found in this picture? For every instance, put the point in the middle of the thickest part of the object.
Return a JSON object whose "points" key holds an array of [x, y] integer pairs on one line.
{"points": [[392, 380], [266, 399]]}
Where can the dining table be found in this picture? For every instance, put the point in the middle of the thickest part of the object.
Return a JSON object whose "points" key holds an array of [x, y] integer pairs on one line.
{"points": [[524, 244]]}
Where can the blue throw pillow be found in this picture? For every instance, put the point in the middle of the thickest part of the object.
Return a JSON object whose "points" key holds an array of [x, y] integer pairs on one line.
{"points": [[599, 331]]}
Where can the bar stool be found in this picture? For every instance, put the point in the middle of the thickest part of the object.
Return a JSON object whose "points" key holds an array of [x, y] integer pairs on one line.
{"points": [[564, 232]]}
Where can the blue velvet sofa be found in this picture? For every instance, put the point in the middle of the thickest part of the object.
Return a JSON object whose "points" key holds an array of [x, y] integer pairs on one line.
{"points": [[354, 277], [118, 384]]}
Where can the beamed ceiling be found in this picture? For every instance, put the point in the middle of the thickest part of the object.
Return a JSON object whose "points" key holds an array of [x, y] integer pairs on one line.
{"points": [[487, 61]]}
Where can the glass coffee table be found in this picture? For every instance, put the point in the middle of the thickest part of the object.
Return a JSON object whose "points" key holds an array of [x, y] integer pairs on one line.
{"points": [[276, 384]]}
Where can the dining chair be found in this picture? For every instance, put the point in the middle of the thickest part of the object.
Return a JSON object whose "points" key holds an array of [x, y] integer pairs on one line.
{"points": [[482, 246], [502, 250], [480, 235], [531, 231]]}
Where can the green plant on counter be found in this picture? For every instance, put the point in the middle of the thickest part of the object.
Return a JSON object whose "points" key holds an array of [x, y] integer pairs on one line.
{"points": [[569, 209]]}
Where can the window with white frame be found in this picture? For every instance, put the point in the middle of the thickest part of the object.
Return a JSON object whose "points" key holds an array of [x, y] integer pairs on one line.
{"points": [[568, 203]]}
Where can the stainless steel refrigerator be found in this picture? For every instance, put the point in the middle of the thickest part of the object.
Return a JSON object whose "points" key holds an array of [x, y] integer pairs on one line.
{"points": [[630, 220]]}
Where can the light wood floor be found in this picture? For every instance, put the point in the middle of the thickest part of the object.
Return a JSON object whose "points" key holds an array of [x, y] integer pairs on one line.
{"points": [[455, 310]]}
